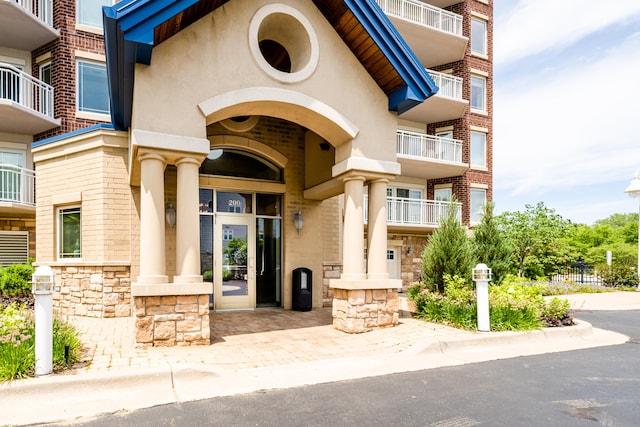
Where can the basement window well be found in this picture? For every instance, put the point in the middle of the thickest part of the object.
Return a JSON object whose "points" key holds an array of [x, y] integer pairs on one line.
{"points": [[283, 43]]}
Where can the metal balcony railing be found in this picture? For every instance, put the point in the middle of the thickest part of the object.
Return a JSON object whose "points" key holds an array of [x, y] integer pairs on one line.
{"points": [[423, 14], [20, 87], [428, 147], [43, 9], [17, 185], [449, 86], [416, 212]]}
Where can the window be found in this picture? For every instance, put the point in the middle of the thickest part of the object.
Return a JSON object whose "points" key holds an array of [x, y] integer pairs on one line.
{"points": [[93, 91], [442, 194], [227, 234], [11, 175], [89, 12], [478, 93], [446, 134], [478, 36], [45, 73], [69, 236], [479, 149], [478, 200]]}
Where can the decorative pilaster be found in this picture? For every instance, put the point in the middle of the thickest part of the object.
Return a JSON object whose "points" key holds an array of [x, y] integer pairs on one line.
{"points": [[353, 237]]}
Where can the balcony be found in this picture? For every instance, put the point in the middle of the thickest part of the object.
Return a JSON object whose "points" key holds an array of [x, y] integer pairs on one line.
{"points": [[26, 24], [429, 157], [434, 34], [26, 103], [17, 195], [447, 104], [416, 214]]}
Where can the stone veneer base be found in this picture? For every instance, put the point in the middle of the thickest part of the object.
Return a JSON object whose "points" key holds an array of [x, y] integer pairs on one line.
{"points": [[363, 310], [172, 320]]}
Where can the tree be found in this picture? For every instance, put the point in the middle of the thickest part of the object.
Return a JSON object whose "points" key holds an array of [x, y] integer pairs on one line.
{"points": [[491, 246], [447, 252], [535, 236]]}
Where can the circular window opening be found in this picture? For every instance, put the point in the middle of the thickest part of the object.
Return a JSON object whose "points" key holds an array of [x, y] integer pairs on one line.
{"points": [[240, 123], [276, 55], [283, 43]]}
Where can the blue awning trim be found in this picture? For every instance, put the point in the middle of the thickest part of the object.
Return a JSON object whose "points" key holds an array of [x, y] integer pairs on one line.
{"points": [[419, 85], [129, 39], [104, 126]]}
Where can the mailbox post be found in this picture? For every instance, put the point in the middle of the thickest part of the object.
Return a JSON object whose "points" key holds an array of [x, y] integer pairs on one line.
{"points": [[42, 282], [482, 275]]}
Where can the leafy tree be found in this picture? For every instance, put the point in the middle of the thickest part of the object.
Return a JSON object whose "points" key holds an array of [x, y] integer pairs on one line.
{"points": [[490, 246], [236, 251], [448, 251], [535, 235]]}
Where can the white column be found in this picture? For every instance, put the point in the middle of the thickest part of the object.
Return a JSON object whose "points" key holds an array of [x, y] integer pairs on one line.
{"points": [[353, 238], [187, 222], [152, 241], [377, 231]]}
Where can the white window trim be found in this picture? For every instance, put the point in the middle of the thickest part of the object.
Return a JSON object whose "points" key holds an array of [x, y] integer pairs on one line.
{"points": [[482, 187], [89, 28], [58, 209], [475, 110], [479, 18], [89, 58], [444, 129], [472, 165]]}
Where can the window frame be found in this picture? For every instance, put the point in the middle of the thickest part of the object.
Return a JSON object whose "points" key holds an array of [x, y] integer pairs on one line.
{"points": [[478, 78], [79, 93], [60, 210], [94, 3], [476, 217], [482, 35], [473, 145]]}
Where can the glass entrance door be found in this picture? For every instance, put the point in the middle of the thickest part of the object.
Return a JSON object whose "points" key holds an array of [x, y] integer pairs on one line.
{"points": [[235, 260]]}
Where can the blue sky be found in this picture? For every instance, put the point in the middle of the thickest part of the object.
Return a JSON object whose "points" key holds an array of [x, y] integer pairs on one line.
{"points": [[566, 106]]}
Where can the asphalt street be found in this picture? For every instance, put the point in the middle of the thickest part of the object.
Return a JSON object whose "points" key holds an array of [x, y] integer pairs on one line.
{"points": [[590, 387]]}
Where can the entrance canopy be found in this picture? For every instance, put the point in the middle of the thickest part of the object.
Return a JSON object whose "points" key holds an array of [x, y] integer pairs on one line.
{"points": [[134, 27]]}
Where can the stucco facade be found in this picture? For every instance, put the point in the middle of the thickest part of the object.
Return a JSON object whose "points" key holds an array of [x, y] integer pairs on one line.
{"points": [[227, 131]]}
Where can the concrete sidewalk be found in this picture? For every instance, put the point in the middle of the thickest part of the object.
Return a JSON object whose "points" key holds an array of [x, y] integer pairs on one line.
{"points": [[267, 349]]}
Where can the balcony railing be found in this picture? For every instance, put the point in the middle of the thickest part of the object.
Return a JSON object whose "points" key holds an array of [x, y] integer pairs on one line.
{"points": [[43, 9], [20, 87], [449, 86], [416, 212], [17, 185], [428, 147], [423, 14]]}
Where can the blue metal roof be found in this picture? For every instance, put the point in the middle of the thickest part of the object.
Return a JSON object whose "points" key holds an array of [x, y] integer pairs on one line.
{"points": [[129, 39], [106, 126]]}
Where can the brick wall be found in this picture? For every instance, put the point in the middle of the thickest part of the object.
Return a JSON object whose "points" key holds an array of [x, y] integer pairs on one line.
{"points": [[63, 66]]}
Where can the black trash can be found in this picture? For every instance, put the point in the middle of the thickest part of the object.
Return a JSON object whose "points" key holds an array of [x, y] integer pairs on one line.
{"points": [[302, 280]]}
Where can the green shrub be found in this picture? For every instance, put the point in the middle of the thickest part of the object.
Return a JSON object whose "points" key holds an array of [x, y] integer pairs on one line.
{"points": [[15, 280], [207, 275], [619, 275], [17, 343], [226, 275]]}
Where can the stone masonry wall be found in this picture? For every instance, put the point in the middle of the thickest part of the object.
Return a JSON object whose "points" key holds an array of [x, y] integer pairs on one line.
{"points": [[92, 291], [330, 270], [363, 310], [167, 321]]}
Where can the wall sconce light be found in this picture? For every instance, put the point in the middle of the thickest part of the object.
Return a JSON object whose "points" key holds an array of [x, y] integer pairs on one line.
{"points": [[170, 215], [410, 250], [298, 221], [325, 146]]}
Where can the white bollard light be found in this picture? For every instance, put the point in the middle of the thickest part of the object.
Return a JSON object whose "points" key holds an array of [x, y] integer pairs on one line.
{"points": [[43, 280], [482, 275]]}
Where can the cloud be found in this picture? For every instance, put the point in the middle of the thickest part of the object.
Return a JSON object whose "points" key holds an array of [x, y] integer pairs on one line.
{"points": [[529, 27], [572, 124]]}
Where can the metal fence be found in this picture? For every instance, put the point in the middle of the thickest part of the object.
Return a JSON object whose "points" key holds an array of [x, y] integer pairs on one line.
{"points": [[578, 273]]}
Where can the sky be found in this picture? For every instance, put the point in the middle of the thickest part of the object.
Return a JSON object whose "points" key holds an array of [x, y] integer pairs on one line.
{"points": [[566, 106]]}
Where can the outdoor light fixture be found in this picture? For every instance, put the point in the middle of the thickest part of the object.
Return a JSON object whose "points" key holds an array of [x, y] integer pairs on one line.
{"points": [[410, 250], [170, 215], [482, 275], [633, 190], [298, 221]]}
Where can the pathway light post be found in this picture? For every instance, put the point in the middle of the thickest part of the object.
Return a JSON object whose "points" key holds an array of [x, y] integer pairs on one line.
{"points": [[633, 190], [482, 275]]}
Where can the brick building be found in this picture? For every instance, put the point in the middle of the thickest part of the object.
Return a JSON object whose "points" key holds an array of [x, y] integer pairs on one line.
{"points": [[247, 139]]}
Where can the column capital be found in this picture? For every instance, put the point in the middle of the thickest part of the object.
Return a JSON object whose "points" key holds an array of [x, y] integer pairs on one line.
{"points": [[352, 176], [188, 160], [150, 155]]}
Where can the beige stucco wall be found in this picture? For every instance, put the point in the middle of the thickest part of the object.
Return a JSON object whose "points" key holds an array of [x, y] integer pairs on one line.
{"points": [[212, 57], [91, 171]]}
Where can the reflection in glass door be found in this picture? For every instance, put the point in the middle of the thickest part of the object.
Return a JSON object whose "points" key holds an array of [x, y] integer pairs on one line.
{"points": [[268, 262], [234, 280]]}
